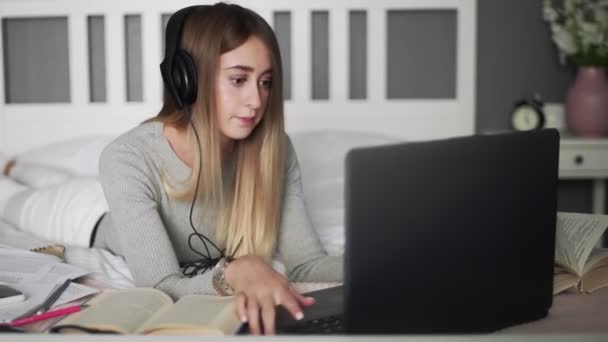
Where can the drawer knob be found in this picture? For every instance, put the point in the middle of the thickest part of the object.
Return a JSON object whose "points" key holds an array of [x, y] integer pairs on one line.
{"points": [[578, 160]]}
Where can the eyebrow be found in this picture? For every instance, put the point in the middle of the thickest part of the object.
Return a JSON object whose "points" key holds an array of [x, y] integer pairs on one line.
{"points": [[247, 68]]}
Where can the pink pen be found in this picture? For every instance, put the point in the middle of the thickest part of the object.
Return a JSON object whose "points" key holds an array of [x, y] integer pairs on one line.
{"points": [[46, 315]]}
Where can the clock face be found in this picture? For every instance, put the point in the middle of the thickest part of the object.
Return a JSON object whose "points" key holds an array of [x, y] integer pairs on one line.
{"points": [[525, 118]]}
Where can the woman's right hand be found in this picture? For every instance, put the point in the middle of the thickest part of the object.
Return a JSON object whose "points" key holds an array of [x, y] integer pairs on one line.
{"points": [[258, 290]]}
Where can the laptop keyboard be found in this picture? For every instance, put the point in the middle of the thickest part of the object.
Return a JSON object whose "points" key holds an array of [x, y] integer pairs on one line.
{"points": [[320, 326]]}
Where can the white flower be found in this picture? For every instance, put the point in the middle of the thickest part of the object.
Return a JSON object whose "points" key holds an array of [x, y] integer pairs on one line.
{"points": [[591, 28], [564, 40], [549, 13], [579, 28], [569, 6], [590, 35], [601, 15]]}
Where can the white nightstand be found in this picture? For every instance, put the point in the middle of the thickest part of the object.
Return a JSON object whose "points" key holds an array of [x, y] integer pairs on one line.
{"points": [[586, 159], [580, 158]]}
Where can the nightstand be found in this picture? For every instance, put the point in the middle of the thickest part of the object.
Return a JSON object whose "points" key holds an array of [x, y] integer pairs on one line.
{"points": [[586, 159]]}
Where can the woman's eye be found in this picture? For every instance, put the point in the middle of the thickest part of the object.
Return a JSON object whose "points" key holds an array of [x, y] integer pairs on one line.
{"points": [[238, 81], [266, 83]]}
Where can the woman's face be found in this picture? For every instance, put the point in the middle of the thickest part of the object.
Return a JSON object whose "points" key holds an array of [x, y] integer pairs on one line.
{"points": [[243, 85]]}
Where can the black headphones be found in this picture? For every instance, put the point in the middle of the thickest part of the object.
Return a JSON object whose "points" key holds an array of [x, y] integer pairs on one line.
{"points": [[178, 68]]}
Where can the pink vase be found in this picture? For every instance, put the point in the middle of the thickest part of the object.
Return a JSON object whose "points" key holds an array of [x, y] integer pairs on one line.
{"points": [[587, 103]]}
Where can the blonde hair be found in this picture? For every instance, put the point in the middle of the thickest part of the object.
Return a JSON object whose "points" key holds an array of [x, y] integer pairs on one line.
{"points": [[249, 201]]}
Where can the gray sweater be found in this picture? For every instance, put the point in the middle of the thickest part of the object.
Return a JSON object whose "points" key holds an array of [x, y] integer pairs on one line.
{"points": [[150, 228]]}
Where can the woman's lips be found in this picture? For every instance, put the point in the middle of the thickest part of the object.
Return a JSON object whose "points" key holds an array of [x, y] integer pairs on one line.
{"points": [[246, 121]]}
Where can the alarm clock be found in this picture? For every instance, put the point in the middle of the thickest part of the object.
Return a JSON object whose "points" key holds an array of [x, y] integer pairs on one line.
{"points": [[528, 115]]}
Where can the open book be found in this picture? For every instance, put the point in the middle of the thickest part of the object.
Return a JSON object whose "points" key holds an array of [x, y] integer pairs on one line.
{"points": [[151, 311], [578, 262]]}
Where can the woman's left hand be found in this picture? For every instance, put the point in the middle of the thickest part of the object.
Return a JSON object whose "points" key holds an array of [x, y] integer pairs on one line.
{"points": [[258, 290]]}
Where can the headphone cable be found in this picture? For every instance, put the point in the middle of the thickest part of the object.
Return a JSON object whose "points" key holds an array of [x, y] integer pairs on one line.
{"points": [[193, 268]]}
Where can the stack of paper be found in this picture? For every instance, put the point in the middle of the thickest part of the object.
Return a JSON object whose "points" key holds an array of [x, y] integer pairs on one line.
{"points": [[36, 275]]}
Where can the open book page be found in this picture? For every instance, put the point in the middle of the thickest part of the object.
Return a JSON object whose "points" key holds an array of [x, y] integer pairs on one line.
{"points": [[563, 280], [576, 236], [597, 259], [120, 311], [212, 315], [596, 270]]}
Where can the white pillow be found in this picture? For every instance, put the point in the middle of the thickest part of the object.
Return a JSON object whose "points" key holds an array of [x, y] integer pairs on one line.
{"points": [[37, 176], [65, 212], [78, 156], [8, 188], [321, 156]]}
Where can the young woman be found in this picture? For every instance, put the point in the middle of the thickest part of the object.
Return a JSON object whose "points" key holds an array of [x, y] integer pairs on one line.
{"points": [[205, 195]]}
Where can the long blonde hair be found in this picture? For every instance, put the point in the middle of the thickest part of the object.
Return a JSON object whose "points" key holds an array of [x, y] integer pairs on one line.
{"points": [[249, 201]]}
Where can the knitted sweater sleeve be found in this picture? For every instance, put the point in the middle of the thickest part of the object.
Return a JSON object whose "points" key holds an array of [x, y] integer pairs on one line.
{"points": [[132, 191]]}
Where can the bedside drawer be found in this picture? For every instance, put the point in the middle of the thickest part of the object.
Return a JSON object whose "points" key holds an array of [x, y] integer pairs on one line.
{"points": [[583, 159]]}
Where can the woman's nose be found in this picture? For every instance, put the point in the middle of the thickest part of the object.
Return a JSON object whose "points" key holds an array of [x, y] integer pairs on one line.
{"points": [[254, 99]]}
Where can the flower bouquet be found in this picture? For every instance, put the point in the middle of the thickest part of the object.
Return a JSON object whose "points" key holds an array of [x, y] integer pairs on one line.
{"points": [[579, 29]]}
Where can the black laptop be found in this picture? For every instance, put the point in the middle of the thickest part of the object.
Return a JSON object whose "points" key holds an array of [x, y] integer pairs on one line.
{"points": [[447, 236]]}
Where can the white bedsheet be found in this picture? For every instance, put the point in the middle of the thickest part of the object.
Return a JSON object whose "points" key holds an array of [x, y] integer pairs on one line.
{"points": [[104, 266], [107, 270]]}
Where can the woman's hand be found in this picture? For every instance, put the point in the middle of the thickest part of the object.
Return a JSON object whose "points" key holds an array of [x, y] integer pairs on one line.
{"points": [[258, 290]]}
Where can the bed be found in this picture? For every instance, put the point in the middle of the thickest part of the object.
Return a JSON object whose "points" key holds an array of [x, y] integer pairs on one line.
{"points": [[572, 313], [356, 108]]}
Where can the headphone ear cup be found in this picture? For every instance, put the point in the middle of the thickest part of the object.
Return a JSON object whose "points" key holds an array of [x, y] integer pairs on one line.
{"points": [[184, 77]]}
